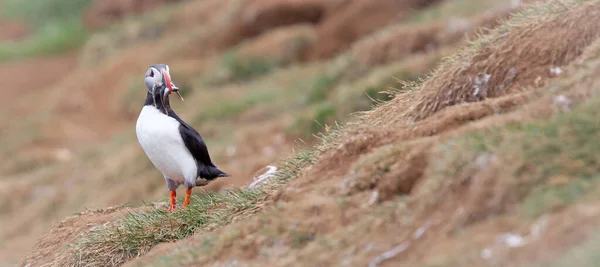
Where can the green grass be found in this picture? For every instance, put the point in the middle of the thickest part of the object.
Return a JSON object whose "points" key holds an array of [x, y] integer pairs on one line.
{"points": [[228, 109], [306, 126], [347, 97], [323, 115], [39, 13], [237, 68], [553, 197], [534, 155], [583, 255], [138, 232], [320, 88], [289, 168], [49, 39], [56, 23], [378, 94]]}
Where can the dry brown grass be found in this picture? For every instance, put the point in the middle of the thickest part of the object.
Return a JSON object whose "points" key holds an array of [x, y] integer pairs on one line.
{"points": [[385, 177], [397, 41], [513, 59], [66, 232], [447, 174]]}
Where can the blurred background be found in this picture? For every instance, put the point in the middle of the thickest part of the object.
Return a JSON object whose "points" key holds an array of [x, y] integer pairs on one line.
{"points": [[260, 78]]}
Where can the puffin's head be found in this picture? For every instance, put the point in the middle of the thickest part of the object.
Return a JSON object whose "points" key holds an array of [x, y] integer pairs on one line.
{"points": [[158, 80]]}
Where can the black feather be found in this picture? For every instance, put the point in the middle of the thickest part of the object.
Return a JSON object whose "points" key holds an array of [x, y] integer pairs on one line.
{"points": [[194, 143], [192, 140]]}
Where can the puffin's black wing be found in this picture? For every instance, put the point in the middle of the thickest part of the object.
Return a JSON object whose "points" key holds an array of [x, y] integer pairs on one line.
{"points": [[194, 143]]}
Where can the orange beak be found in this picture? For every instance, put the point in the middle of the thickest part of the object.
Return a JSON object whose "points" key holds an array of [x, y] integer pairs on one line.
{"points": [[167, 80]]}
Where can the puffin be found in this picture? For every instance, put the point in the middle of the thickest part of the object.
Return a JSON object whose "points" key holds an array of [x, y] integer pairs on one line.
{"points": [[174, 147]]}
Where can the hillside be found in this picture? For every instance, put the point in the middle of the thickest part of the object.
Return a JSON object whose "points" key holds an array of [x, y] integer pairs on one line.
{"points": [[425, 133]]}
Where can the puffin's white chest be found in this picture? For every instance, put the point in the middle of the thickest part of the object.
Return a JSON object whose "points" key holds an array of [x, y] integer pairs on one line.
{"points": [[159, 137]]}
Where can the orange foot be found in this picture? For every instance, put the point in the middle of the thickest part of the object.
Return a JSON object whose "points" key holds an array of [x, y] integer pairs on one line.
{"points": [[188, 193], [172, 207]]}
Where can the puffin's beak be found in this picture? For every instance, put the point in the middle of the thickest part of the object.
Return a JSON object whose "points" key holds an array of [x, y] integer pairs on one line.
{"points": [[169, 86]]}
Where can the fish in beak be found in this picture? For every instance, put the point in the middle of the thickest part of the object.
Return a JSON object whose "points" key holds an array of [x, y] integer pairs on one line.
{"points": [[169, 86]]}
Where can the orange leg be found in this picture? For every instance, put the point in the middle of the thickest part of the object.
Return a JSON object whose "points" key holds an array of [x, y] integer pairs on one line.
{"points": [[188, 193], [173, 194]]}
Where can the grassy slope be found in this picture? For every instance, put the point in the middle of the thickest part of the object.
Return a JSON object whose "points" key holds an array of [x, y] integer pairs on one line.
{"points": [[138, 232], [541, 151], [547, 157], [238, 120]]}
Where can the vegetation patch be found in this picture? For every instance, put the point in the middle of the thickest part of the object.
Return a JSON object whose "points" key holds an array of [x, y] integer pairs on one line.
{"points": [[583, 255], [321, 87], [116, 243], [236, 68], [545, 165], [231, 108], [138, 232], [532, 167], [323, 115], [57, 24], [40, 13]]}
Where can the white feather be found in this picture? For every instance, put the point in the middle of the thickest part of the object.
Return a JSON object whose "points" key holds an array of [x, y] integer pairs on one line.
{"points": [[159, 137]]}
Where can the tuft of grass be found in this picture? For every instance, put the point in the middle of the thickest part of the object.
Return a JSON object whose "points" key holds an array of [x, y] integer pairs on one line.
{"points": [[138, 232], [378, 94], [323, 115], [534, 13], [294, 165], [306, 126], [379, 84], [291, 167]]}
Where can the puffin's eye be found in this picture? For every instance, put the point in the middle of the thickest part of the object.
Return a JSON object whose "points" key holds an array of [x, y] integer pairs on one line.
{"points": [[151, 73]]}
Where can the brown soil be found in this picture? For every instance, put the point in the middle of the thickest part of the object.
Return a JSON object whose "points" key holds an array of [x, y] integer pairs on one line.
{"points": [[102, 12], [337, 26], [357, 19], [399, 41], [263, 15], [13, 30], [47, 70], [285, 45]]}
